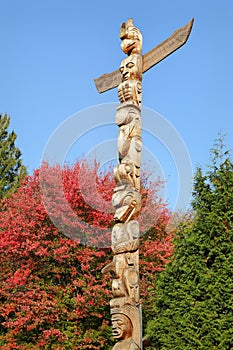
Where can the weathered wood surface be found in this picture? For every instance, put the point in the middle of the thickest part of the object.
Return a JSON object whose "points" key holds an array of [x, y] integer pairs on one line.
{"points": [[150, 59]]}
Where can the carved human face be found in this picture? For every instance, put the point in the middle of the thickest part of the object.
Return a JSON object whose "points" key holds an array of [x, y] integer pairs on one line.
{"points": [[130, 68], [121, 326]]}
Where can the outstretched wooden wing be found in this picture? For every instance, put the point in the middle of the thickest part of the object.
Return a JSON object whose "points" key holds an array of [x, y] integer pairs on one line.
{"points": [[168, 46], [108, 81], [151, 58]]}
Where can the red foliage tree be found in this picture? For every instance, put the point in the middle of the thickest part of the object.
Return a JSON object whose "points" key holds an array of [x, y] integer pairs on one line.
{"points": [[54, 241]]}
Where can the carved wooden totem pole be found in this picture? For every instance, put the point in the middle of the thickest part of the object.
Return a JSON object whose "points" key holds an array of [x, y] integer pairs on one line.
{"points": [[125, 308]]}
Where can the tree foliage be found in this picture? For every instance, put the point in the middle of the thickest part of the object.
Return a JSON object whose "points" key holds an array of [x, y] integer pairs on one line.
{"points": [[53, 294], [194, 304], [11, 168]]}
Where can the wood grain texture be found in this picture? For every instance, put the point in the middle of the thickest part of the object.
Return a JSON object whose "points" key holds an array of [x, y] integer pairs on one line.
{"points": [[151, 58]]}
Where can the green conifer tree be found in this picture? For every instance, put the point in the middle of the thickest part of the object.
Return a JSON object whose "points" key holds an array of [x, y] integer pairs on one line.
{"points": [[194, 304], [11, 168]]}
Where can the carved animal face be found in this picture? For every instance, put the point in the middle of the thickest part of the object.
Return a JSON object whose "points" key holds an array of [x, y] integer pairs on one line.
{"points": [[118, 288], [119, 234], [131, 38]]}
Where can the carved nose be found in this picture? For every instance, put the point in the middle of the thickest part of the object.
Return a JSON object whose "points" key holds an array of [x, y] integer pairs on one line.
{"points": [[125, 75]]}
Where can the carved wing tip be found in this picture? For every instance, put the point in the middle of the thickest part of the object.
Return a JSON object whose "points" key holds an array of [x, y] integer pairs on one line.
{"points": [[98, 85], [97, 88], [185, 30], [191, 23], [189, 26], [108, 81]]}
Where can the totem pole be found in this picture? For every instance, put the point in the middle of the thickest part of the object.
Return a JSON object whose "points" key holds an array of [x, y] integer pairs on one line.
{"points": [[125, 305]]}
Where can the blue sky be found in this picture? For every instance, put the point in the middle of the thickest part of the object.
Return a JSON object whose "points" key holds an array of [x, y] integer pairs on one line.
{"points": [[52, 50]]}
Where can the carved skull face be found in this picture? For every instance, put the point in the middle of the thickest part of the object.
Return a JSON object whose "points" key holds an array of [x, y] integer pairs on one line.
{"points": [[130, 68], [121, 326]]}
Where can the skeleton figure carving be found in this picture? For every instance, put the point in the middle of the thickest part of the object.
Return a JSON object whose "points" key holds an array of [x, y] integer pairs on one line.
{"points": [[130, 89]]}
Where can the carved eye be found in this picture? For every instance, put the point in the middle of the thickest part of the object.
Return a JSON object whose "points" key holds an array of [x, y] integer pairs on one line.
{"points": [[133, 35], [130, 65], [121, 69]]}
